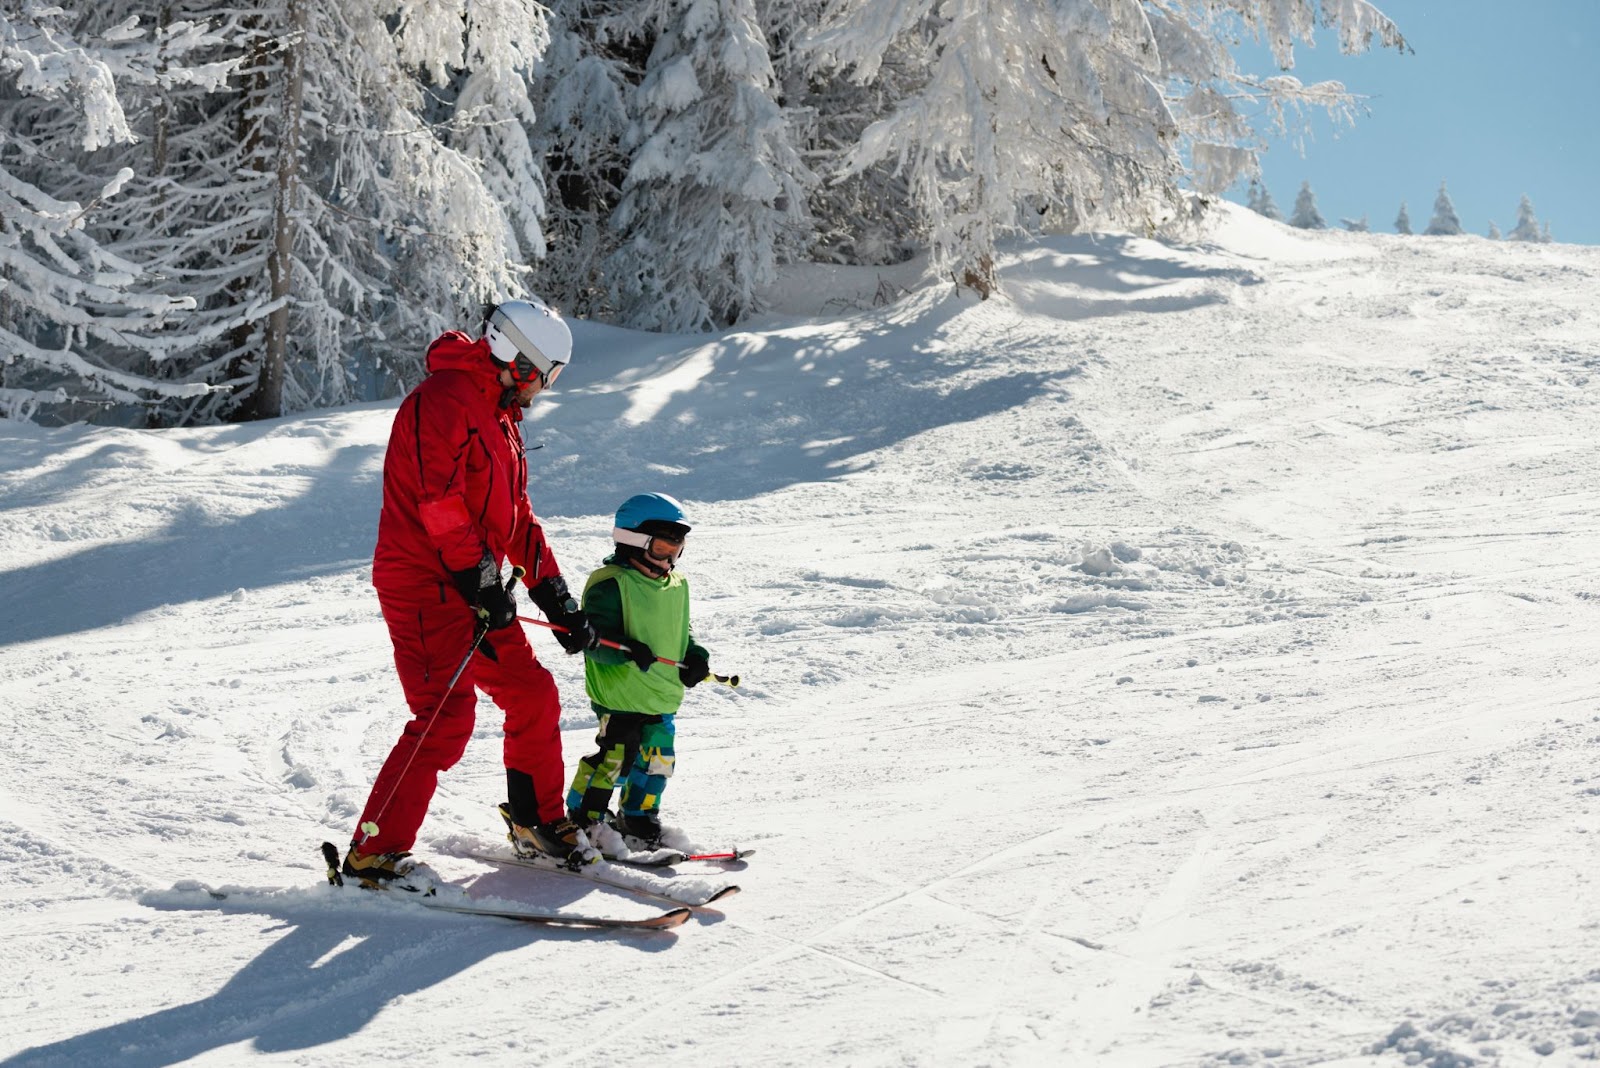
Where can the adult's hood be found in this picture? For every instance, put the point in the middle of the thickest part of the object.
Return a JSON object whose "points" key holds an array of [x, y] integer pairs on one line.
{"points": [[455, 351]]}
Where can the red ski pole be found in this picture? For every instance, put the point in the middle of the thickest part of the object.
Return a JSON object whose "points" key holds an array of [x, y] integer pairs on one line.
{"points": [[726, 680]]}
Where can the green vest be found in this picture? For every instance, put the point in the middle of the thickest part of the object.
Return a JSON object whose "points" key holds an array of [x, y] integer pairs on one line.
{"points": [[656, 611]]}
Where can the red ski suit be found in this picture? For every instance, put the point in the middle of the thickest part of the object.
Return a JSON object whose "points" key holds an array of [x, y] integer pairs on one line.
{"points": [[455, 482]]}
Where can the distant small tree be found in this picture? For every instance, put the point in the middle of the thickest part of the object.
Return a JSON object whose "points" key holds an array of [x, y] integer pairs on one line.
{"points": [[1445, 222], [1306, 216], [1494, 231], [1356, 226], [1264, 204], [1402, 222], [1544, 234], [1527, 228]]}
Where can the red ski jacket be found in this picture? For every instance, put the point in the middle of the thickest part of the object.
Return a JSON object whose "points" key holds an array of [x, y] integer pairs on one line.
{"points": [[455, 480]]}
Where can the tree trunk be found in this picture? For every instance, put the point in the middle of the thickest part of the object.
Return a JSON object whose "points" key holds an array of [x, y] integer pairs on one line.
{"points": [[268, 399], [162, 110], [979, 275]]}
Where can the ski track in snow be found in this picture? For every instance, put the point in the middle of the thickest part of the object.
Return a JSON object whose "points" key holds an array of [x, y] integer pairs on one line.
{"points": [[1185, 660]]}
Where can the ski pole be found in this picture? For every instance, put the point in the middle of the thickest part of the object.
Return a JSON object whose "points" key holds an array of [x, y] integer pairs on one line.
{"points": [[726, 680], [370, 827]]}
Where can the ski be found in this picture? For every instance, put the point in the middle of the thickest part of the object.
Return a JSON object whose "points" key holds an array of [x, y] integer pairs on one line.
{"points": [[650, 858], [659, 922], [620, 849], [667, 858], [461, 906], [680, 890]]}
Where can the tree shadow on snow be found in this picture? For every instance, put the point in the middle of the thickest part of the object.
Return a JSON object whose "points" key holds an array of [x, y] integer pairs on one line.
{"points": [[295, 996], [1094, 276], [728, 417], [324, 523], [744, 414]]}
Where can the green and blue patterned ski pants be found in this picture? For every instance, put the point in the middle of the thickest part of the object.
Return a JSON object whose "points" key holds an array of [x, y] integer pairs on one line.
{"points": [[632, 750]]}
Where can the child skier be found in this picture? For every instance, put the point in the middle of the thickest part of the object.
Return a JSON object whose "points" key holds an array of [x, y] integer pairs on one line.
{"points": [[639, 600]]}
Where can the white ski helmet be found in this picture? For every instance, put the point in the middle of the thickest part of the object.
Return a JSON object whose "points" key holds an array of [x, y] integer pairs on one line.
{"points": [[530, 339]]}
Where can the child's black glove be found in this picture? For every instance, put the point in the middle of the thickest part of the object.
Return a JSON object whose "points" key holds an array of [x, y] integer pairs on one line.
{"points": [[639, 653], [481, 587], [695, 668], [556, 602]]}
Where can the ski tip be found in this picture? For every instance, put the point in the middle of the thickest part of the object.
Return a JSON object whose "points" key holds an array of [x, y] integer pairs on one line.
{"points": [[726, 891], [330, 856]]}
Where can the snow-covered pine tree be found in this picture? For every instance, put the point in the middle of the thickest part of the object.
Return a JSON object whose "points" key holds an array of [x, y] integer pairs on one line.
{"points": [[1544, 233], [715, 189], [1224, 113], [81, 321], [582, 85], [1306, 216], [866, 216], [481, 83], [1260, 201], [1402, 222], [331, 211], [1269, 207], [1444, 223], [1022, 107], [1356, 226], [1527, 228], [1494, 231], [1074, 112]]}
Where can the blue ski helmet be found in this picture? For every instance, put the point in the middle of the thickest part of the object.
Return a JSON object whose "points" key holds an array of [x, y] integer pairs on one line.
{"points": [[644, 518], [652, 508]]}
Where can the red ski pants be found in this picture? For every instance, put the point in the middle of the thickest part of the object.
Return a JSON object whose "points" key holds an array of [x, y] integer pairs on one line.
{"points": [[431, 635]]}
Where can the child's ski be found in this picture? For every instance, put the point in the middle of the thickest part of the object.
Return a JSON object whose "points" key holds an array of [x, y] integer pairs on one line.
{"points": [[682, 890], [667, 858], [647, 858], [622, 849]]}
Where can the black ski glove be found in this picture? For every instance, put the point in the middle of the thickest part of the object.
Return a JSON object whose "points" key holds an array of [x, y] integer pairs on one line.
{"points": [[639, 653], [481, 587], [556, 602], [695, 668]]}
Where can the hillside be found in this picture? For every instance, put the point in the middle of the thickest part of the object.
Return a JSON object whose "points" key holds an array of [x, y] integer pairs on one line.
{"points": [[1187, 660]]}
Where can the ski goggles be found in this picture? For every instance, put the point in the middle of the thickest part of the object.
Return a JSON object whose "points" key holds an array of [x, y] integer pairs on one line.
{"points": [[658, 546], [525, 371], [531, 364]]}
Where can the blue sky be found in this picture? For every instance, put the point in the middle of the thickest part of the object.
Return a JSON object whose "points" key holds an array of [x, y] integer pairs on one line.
{"points": [[1497, 99]]}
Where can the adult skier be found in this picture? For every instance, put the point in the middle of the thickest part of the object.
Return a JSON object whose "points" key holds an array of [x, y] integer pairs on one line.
{"points": [[455, 508]]}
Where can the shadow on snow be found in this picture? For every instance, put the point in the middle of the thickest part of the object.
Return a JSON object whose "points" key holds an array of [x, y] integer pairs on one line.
{"points": [[730, 418], [295, 996]]}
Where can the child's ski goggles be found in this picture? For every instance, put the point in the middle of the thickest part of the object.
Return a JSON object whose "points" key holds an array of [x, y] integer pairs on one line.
{"points": [[659, 546]]}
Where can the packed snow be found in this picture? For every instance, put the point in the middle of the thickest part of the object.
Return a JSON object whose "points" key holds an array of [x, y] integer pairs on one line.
{"points": [[1186, 659]]}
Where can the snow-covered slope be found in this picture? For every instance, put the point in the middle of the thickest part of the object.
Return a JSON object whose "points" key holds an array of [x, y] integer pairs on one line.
{"points": [[1190, 659]]}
